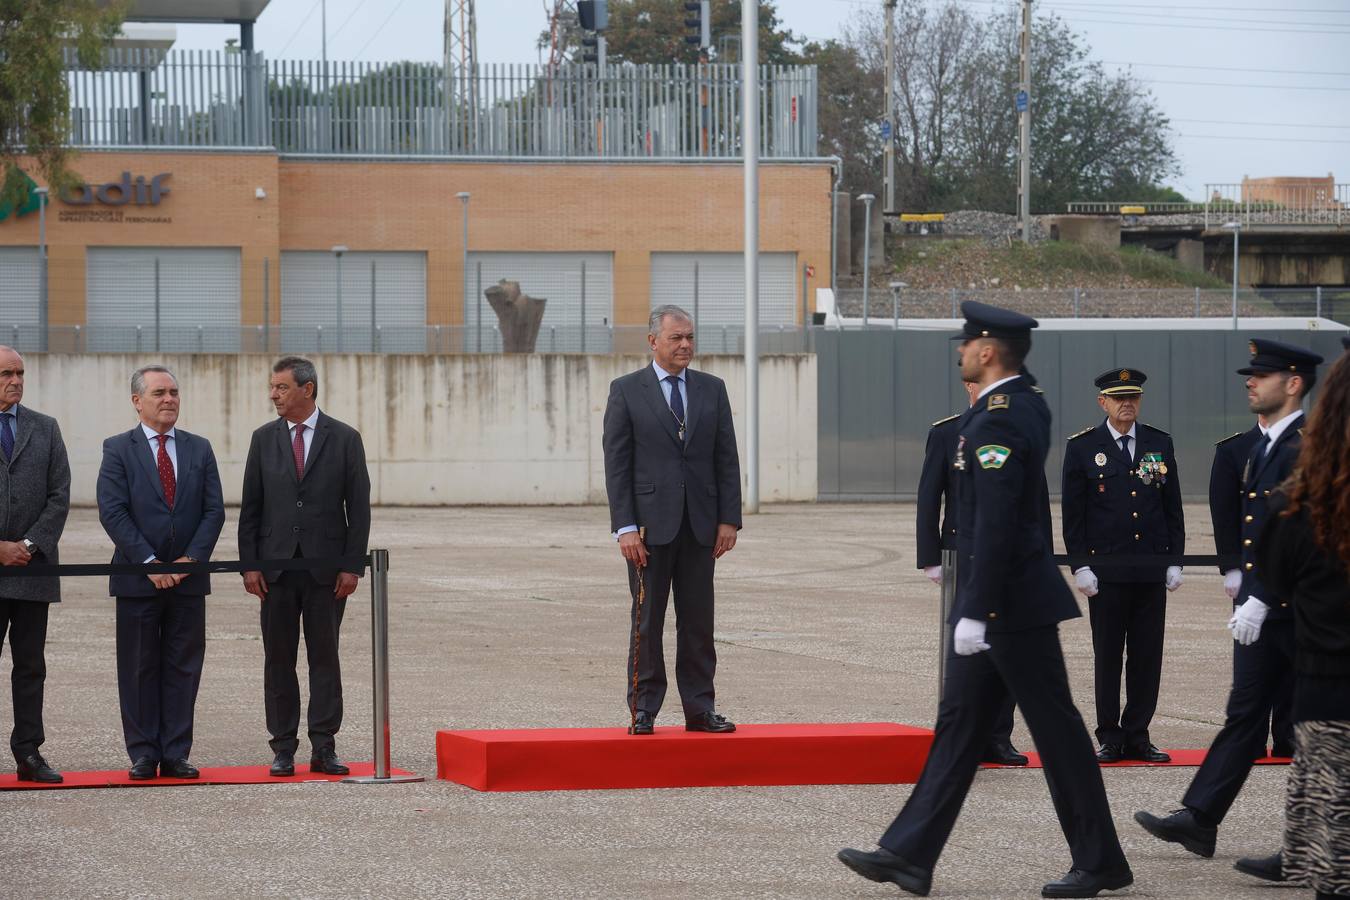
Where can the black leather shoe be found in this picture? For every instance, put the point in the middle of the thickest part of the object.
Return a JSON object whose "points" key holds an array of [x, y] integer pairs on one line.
{"points": [[1147, 753], [1282, 751], [643, 723], [1082, 883], [326, 762], [178, 768], [883, 865], [1004, 754], [34, 768], [1110, 753], [283, 765], [710, 722], [1268, 868], [1181, 827], [143, 769]]}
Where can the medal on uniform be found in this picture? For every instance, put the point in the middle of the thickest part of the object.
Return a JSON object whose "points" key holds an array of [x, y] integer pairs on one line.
{"points": [[959, 463], [1100, 459], [1151, 468]]}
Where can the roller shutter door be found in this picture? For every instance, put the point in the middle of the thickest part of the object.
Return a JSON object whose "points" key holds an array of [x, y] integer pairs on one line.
{"points": [[557, 277], [169, 300], [383, 302], [720, 313], [19, 290]]}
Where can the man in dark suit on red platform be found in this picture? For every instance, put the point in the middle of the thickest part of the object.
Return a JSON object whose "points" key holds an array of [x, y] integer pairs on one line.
{"points": [[306, 495]]}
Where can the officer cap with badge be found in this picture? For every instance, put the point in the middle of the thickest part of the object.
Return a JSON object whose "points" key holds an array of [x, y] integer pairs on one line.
{"points": [[1121, 383], [985, 321], [1275, 356]]}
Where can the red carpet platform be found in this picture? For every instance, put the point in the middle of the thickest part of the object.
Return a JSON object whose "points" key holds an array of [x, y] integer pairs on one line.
{"points": [[221, 775], [1179, 758], [563, 759]]}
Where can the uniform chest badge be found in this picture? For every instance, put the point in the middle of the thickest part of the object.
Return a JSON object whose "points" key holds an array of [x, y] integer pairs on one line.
{"points": [[1152, 468], [1100, 459], [959, 462], [992, 456]]}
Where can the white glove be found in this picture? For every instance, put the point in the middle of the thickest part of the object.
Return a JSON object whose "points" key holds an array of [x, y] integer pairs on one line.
{"points": [[968, 637], [1173, 577], [1086, 581], [1246, 622], [933, 574], [1232, 583]]}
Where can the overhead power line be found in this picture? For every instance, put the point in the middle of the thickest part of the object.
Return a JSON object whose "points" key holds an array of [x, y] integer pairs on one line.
{"points": [[299, 28], [376, 32], [1117, 62], [1265, 140], [1264, 124]]}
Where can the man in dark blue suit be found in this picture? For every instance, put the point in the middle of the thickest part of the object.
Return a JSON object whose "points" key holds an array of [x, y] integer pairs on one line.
{"points": [[159, 499], [1010, 599], [1279, 376]]}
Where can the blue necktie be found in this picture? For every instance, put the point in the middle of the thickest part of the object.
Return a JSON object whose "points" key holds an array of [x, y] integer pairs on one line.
{"points": [[1125, 446], [676, 402], [6, 436]]}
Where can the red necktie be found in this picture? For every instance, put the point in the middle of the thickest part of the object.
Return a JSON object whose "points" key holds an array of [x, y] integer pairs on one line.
{"points": [[166, 476], [299, 448]]}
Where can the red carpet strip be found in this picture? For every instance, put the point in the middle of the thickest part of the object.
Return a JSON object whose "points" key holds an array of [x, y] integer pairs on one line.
{"points": [[210, 775]]}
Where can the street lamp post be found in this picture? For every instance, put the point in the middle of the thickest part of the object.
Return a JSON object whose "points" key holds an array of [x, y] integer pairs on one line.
{"points": [[463, 197], [1237, 228], [42, 269], [338, 250], [867, 200]]}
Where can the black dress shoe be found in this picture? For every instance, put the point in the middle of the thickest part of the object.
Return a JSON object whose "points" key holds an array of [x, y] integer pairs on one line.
{"points": [[1004, 754], [1181, 827], [883, 865], [34, 768], [283, 765], [178, 768], [325, 762], [143, 769], [1147, 753], [1282, 751], [1110, 753], [710, 722], [1269, 868], [1082, 883], [643, 723]]}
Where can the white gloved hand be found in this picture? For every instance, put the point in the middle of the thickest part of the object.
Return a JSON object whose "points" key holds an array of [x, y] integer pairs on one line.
{"points": [[968, 637], [933, 574], [1232, 583], [1246, 622], [1086, 581], [1173, 577]]}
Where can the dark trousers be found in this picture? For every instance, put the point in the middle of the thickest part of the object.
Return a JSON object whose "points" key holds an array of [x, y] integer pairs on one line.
{"points": [[1258, 672], [1001, 734], [1128, 620], [686, 566], [26, 623], [292, 600], [161, 641], [1030, 665], [1282, 715]]}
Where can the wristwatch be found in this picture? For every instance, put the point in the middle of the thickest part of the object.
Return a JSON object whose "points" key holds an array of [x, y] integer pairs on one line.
{"points": [[29, 545]]}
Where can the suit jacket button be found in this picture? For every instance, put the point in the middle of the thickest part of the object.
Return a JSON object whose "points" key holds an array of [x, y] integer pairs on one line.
{"points": [[1284, 604], [993, 615], [1247, 519], [1136, 537], [1135, 514], [299, 503], [1134, 494], [1251, 495], [1249, 566], [1247, 542], [296, 529]]}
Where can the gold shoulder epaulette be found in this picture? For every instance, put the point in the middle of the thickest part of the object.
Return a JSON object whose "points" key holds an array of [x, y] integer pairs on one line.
{"points": [[997, 401], [1229, 438], [1087, 430], [944, 421], [1156, 428], [1036, 390]]}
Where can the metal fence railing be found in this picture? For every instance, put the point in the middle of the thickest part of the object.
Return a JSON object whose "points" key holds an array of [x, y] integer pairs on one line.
{"points": [[1251, 203], [234, 99]]}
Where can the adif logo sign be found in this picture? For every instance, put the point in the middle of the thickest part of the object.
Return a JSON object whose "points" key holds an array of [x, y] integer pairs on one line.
{"points": [[120, 193], [28, 204]]}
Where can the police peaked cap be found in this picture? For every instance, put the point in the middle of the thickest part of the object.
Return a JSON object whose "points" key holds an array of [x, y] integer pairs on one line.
{"points": [[1274, 356], [985, 321], [1121, 382]]}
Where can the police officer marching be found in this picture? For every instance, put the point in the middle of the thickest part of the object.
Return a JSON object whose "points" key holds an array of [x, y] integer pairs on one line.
{"points": [[1121, 498]]}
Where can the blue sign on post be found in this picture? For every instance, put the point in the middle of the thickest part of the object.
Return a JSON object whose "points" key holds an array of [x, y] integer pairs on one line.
{"points": [[1021, 101], [885, 131]]}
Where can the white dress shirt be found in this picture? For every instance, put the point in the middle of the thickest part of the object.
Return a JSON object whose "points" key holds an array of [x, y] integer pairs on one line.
{"points": [[170, 447], [1279, 428], [1131, 434], [309, 431]]}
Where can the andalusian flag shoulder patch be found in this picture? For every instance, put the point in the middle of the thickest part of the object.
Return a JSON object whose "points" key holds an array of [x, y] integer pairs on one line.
{"points": [[992, 456]]}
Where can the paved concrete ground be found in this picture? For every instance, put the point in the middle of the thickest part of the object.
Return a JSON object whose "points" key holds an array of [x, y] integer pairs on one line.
{"points": [[517, 618]]}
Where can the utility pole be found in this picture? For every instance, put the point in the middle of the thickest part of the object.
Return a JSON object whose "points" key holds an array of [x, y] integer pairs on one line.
{"points": [[887, 122], [750, 148], [1024, 126]]}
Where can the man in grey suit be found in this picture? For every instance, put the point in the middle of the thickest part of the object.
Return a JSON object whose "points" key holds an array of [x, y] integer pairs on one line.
{"points": [[306, 494], [34, 501], [159, 499], [674, 485]]}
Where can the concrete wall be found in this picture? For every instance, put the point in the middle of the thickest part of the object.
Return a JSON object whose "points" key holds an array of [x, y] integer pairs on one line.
{"points": [[438, 429], [1103, 231]]}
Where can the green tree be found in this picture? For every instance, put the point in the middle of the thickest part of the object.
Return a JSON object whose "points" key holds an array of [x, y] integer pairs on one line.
{"points": [[653, 31], [849, 92], [34, 99]]}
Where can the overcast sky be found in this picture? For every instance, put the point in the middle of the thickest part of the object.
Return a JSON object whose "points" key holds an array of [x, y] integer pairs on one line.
{"points": [[1252, 87]]}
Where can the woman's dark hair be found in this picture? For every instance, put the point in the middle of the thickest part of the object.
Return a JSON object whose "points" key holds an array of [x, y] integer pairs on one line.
{"points": [[1321, 479]]}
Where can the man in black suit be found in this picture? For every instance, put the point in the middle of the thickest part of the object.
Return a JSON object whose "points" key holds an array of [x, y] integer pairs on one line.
{"points": [[1279, 376], [306, 494], [1010, 600], [1225, 512], [159, 499], [1122, 497], [674, 485], [935, 531], [35, 499]]}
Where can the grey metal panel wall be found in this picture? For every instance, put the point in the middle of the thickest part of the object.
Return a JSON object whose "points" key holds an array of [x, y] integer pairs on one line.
{"points": [[880, 391]]}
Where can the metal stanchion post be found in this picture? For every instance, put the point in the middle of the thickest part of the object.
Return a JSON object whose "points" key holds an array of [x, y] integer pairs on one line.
{"points": [[379, 638], [945, 630]]}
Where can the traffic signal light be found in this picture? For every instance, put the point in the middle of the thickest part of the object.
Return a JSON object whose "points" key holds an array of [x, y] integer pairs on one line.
{"points": [[699, 23], [593, 15]]}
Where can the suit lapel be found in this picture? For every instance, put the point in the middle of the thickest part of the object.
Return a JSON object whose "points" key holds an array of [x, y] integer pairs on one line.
{"points": [[693, 404], [284, 445], [1259, 465], [316, 444], [1112, 448], [656, 399], [184, 449], [140, 451], [25, 432]]}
